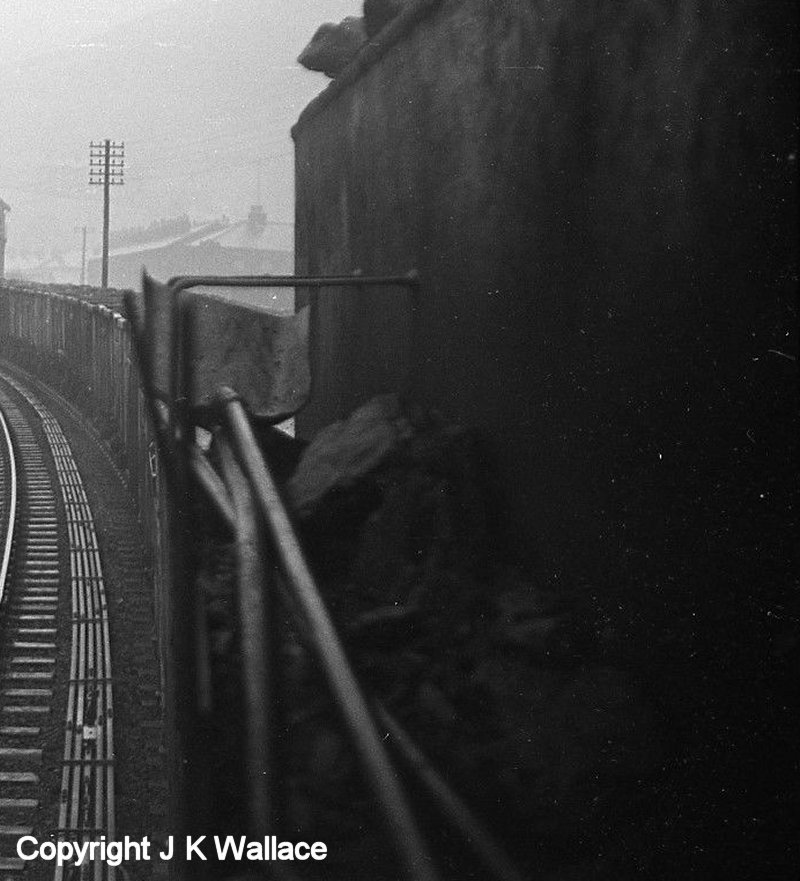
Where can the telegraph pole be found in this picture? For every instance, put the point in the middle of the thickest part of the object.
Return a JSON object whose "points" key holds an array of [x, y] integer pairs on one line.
{"points": [[84, 230], [3, 209], [106, 168], [83, 259]]}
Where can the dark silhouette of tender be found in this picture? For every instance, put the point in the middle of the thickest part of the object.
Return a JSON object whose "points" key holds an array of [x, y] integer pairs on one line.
{"points": [[378, 13]]}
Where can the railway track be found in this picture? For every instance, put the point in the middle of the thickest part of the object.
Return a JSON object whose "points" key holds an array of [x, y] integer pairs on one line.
{"points": [[55, 660]]}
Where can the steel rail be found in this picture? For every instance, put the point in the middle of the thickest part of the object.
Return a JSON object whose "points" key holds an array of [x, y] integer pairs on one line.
{"points": [[12, 504]]}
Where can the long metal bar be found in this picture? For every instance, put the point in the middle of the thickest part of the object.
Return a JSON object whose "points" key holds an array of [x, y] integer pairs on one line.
{"points": [[180, 318], [190, 605], [453, 808], [208, 479], [253, 600], [412, 850], [183, 282], [448, 802]]}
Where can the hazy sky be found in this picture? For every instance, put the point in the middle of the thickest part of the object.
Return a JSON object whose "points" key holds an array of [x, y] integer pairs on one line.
{"points": [[31, 26], [226, 146]]}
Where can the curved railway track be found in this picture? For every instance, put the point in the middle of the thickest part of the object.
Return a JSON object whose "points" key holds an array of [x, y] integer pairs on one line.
{"points": [[53, 596], [8, 500]]}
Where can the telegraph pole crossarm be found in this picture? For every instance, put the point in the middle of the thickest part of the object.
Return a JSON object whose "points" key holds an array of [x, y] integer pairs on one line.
{"points": [[106, 169]]}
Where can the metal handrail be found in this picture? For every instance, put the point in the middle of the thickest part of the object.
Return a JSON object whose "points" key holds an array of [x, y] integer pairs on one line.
{"points": [[174, 441], [249, 503], [180, 283], [254, 621], [450, 805], [409, 843]]}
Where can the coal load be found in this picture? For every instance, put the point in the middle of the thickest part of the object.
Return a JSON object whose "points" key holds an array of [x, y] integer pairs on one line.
{"points": [[504, 684], [333, 46], [507, 686]]}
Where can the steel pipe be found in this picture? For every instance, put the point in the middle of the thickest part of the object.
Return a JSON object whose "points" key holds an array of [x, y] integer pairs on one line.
{"points": [[184, 282], [412, 850], [252, 598]]}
